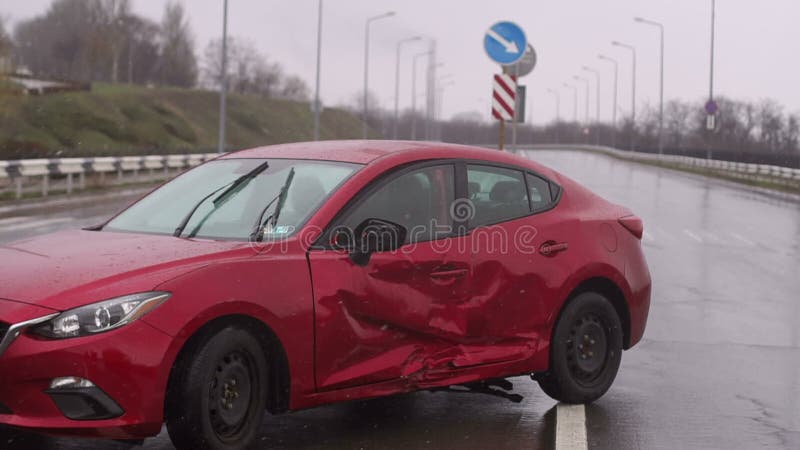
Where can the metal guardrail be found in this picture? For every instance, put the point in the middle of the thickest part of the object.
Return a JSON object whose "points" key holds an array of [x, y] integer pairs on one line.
{"points": [[755, 172], [18, 173]]}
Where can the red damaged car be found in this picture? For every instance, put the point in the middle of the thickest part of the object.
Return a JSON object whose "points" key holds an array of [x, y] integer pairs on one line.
{"points": [[291, 276]]}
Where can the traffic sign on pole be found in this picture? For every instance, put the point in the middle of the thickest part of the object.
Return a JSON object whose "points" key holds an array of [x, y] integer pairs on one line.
{"points": [[524, 66], [520, 102], [711, 107], [505, 43], [504, 97]]}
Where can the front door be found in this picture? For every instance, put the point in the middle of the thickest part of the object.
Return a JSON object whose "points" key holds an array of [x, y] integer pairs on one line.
{"points": [[398, 315]]}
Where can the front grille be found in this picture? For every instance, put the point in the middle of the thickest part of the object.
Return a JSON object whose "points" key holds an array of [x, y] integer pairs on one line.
{"points": [[3, 329]]}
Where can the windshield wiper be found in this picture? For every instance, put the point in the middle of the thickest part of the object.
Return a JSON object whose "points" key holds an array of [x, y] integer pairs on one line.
{"points": [[256, 234], [236, 185]]}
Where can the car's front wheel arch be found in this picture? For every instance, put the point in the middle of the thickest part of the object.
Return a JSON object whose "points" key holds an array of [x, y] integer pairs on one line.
{"points": [[278, 398]]}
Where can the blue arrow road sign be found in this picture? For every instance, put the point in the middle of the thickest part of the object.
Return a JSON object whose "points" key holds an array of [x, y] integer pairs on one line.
{"points": [[505, 42]]}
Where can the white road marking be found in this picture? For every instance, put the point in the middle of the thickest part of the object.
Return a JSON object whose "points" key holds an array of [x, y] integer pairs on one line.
{"points": [[710, 236], [35, 224], [663, 233], [10, 220], [571, 427], [693, 235], [743, 239]]}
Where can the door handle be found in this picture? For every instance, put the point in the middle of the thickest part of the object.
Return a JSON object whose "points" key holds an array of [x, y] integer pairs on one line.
{"points": [[452, 273], [550, 248]]}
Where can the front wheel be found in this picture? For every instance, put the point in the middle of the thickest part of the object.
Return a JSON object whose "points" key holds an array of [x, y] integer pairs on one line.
{"points": [[585, 351], [217, 396]]}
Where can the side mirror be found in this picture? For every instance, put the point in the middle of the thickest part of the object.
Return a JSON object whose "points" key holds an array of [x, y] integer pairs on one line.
{"points": [[376, 235]]}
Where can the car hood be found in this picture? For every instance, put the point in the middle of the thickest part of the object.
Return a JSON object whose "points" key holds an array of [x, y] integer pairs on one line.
{"points": [[72, 268]]}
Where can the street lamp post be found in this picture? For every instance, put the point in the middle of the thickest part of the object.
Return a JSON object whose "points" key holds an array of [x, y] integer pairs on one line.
{"points": [[366, 64], [557, 97], [223, 82], [585, 81], [574, 100], [558, 103], [711, 69], [614, 110], [661, 82], [414, 93], [397, 83], [597, 101], [633, 88], [597, 84], [319, 58], [444, 83], [574, 108], [586, 106]]}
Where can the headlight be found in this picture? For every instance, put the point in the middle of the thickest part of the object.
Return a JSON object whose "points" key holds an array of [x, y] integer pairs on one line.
{"points": [[100, 317]]}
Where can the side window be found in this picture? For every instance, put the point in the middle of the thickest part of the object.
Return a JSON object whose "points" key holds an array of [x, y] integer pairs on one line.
{"points": [[539, 192], [498, 194], [419, 200]]}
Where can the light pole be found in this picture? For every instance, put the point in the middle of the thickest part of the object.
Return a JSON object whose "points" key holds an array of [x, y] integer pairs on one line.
{"points": [[397, 83], [614, 109], [223, 82], [661, 83], [558, 103], [444, 83], [319, 56], [557, 97], [574, 109], [633, 88], [574, 100], [414, 93], [366, 64], [597, 79], [711, 75], [586, 111]]}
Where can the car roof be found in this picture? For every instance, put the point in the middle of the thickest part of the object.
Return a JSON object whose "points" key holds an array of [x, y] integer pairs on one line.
{"points": [[366, 152], [359, 152]]}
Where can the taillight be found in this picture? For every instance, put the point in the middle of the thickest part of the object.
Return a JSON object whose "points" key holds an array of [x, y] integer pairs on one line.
{"points": [[633, 224]]}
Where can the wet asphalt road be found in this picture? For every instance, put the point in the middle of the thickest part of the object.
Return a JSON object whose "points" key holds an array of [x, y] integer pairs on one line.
{"points": [[719, 366]]}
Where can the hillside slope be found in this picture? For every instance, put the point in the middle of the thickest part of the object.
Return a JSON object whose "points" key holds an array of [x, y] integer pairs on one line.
{"points": [[120, 119]]}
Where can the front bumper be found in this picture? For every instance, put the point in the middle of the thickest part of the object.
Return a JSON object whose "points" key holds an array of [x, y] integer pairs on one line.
{"points": [[127, 365]]}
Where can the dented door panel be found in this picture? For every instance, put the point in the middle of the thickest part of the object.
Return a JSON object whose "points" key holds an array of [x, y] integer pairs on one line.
{"points": [[387, 319]]}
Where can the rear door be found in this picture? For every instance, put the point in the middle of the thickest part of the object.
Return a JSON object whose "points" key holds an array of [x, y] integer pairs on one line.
{"points": [[519, 243], [397, 316]]}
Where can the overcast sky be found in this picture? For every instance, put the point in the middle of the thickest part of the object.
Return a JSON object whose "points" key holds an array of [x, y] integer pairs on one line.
{"points": [[757, 51]]}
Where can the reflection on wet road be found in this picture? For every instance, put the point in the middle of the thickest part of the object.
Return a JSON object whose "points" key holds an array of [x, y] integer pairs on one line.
{"points": [[719, 366]]}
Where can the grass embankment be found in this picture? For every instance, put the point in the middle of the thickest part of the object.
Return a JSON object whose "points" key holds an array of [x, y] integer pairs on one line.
{"points": [[116, 120]]}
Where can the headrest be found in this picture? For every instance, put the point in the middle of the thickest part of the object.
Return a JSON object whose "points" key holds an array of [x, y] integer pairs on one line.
{"points": [[508, 191]]}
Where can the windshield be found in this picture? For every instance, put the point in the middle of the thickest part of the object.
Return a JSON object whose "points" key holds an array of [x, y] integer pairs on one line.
{"points": [[165, 209]]}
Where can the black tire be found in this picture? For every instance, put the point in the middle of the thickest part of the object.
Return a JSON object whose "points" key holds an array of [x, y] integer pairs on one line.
{"points": [[585, 351], [217, 394]]}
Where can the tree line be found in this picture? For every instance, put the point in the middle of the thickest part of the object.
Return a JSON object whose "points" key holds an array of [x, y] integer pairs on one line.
{"points": [[105, 41], [755, 132]]}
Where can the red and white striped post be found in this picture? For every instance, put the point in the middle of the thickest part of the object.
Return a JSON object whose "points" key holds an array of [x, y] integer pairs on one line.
{"points": [[503, 102]]}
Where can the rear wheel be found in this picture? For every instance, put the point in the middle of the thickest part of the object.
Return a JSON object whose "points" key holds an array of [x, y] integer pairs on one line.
{"points": [[585, 351], [217, 396]]}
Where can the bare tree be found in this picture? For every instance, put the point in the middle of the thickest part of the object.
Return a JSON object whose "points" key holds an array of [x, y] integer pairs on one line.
{"points": [[178, 64], [249, 72], [112, 23], [295, 88], [680, 121], [6, 46]]}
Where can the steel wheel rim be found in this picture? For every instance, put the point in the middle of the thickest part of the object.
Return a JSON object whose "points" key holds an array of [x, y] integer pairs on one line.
{"points": [[587, 349], [231, 394]]}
